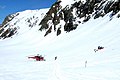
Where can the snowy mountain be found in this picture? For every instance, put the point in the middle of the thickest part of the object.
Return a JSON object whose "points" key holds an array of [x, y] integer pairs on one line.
{"points": [[75, 51], [76, 12], [62, 15], [14, 23]]}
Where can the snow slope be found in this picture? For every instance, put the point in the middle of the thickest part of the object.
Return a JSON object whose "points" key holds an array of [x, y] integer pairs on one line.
{"points": [[76, 59]]}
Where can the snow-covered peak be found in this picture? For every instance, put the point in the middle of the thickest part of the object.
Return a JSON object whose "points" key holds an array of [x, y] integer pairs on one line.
{"points": [[69, 2], [21, 22], [64, 15], [72, 13], [66, 2]]}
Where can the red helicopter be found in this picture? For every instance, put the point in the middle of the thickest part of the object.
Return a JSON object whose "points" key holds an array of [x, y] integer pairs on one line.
{"points": [[37, 58]]}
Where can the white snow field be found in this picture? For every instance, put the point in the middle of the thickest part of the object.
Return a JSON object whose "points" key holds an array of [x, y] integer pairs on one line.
{"points": [[76, 59]]}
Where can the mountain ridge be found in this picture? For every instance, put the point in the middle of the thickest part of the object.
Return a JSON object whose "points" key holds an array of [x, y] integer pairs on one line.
{"points": [[58, 18], [76, 13]]}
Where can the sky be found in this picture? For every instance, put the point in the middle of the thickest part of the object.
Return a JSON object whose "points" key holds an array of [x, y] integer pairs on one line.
{"points": [[12, 6]]}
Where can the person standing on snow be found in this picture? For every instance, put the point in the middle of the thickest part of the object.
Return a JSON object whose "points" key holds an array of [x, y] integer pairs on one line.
{"points": [[55, 57], [85, 64]]}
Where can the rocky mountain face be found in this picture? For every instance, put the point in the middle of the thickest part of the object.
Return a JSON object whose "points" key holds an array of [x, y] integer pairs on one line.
{"points": [[76, 13], [67, 18], [20, 20], [4, 33]]}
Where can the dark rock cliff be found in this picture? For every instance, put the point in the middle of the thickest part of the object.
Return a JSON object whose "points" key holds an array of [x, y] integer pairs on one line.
{"points": [[91, 8], [5, 33]]}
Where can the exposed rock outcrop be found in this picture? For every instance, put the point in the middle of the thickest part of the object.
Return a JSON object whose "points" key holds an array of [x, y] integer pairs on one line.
{"points": [[76, 13]]}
